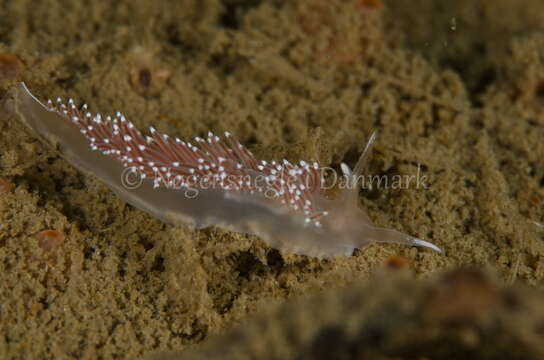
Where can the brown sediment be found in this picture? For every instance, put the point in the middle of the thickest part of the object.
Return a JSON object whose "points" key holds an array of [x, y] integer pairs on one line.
{"points": [[147, 76], [460, 314], [125, 284]]}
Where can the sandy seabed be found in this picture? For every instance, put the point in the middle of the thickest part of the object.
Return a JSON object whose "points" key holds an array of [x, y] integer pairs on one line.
{"points": [[454, 88]]}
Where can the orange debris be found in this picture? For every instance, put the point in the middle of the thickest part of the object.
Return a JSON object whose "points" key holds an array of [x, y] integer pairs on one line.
{"points": [[396, 262], [5, 186], [49, 240], [11, 67]]}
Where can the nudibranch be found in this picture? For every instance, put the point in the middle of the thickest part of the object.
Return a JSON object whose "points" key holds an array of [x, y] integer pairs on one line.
{"points": [[211, 182]]}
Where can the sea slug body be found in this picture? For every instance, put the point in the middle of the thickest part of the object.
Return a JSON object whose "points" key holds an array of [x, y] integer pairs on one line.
{"points": [[211, 182]]}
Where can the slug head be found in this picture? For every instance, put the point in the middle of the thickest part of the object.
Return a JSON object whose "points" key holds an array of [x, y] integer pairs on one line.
{"points": [[350, 225]]}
